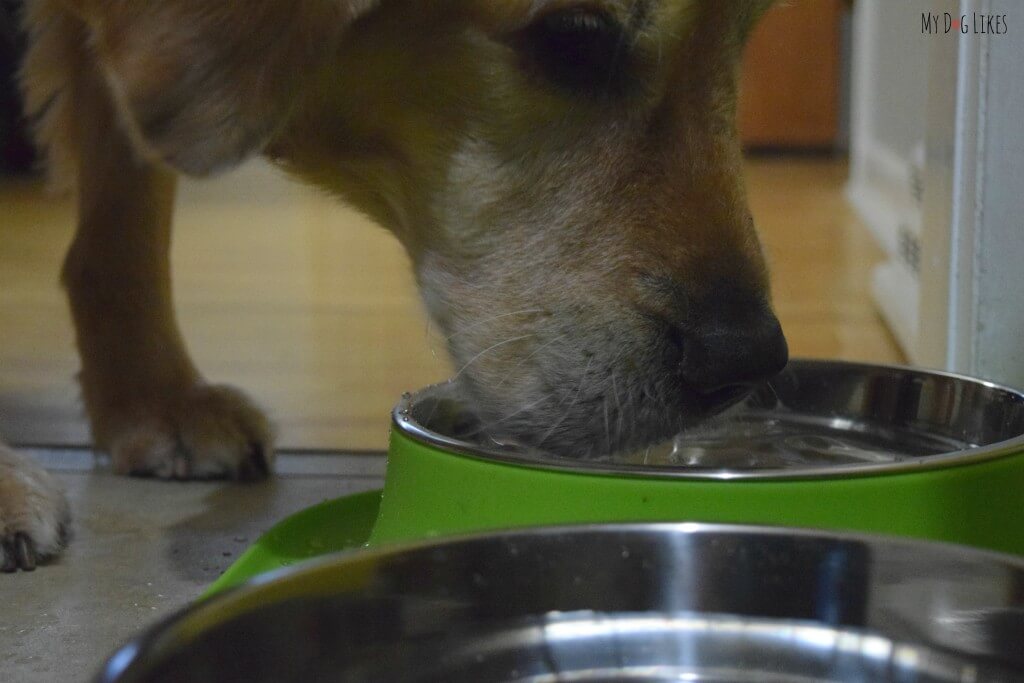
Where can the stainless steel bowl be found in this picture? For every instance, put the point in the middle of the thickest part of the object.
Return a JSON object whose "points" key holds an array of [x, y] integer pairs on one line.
{"points": [[681, 602], [816, 419]]}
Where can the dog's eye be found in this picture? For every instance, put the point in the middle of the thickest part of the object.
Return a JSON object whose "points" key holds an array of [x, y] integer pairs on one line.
{"points": [[579, 49]]}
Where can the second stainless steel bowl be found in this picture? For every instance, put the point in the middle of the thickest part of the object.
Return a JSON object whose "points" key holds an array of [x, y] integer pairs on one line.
{"points": [[614, 603]]}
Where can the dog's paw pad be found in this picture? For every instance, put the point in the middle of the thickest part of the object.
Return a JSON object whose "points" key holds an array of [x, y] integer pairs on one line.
{"points": [[213, 432], [34, 514]]}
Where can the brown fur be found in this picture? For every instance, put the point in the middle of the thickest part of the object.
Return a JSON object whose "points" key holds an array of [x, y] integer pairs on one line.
{"points": [[554, 234]]}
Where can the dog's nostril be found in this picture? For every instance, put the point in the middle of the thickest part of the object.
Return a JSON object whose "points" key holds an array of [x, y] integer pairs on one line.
{"points": [[730, 360]]}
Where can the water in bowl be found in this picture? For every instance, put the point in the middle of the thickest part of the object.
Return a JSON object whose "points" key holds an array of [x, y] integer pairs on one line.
{"points": [[750, 441], [757, 434], [762, 441]]}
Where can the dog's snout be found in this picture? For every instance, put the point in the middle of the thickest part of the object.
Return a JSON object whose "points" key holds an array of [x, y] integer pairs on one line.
{"points": [[731, 347]]}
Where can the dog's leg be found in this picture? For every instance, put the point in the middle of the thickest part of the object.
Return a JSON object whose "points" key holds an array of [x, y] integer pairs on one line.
{"points": [[34, 517], [199, 86], [148, 405]]}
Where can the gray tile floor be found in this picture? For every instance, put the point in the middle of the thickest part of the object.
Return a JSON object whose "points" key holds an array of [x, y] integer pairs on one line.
{"points": [[142, 550]]}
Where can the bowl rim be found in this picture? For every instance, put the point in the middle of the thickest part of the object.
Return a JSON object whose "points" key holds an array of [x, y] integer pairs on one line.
{"points": [[404, 424]]}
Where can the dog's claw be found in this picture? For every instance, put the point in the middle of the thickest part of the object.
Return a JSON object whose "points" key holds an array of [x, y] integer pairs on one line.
{"points": [[213, 432], [34, 514], [10, 561], [25, 552], [19, 553], [181, 468], [256, 467]]}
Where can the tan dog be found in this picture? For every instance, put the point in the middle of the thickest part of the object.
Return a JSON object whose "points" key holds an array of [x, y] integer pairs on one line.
{"points": [[564, 174]]}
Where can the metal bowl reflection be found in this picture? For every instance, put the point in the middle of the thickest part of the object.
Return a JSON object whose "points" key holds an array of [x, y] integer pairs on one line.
{"points": [[609, 603]]}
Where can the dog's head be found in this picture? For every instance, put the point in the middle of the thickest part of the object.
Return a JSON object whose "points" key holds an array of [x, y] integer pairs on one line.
{"points": [[565, 175]]}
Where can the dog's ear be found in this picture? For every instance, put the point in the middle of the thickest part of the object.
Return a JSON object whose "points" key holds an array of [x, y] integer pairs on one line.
{"points": [[203, 84]]}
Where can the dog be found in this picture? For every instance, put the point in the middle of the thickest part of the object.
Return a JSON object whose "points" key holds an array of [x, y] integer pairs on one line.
{"points": [[564, 174]]}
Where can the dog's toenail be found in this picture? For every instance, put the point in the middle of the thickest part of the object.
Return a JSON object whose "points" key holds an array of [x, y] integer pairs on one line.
{"points": [[10, 560], [25, 551], [180, 468], [258, 461]]}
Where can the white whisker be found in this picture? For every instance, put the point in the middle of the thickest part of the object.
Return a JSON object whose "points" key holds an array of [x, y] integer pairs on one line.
{"points": [[430, 337], [522, 409], [618, 405], [528, 357], [478, 323], [607, 428], [568, 410], [489, 348]]}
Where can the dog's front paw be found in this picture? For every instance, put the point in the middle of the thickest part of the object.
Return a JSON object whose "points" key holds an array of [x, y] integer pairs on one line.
{"points": [[34, 514], [211, 432]]}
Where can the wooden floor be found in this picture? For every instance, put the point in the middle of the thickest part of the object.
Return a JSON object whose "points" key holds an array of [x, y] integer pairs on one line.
{"points": [[311, 308]]}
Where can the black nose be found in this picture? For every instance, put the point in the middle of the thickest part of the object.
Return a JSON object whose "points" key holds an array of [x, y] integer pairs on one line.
{"points": [[733, 345]]}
